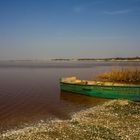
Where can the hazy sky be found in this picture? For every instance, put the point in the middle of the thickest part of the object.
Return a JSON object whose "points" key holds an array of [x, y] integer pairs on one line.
{"points": [[41, 29]]}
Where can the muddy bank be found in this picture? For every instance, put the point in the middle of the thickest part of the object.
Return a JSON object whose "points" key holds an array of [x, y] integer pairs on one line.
{"points": [[116, 119]]}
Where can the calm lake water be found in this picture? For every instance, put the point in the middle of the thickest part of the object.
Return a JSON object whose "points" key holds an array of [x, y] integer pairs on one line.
{"points": [[29, 91]]}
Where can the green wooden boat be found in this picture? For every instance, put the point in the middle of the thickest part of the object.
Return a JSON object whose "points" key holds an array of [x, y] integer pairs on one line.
{"points": [[101, 89]]}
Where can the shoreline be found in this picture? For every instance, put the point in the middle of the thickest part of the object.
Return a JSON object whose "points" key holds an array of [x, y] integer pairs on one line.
{"points": [[115, 119], [72, 60]]}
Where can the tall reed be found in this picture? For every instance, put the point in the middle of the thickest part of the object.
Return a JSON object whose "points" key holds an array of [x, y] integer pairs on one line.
{"points": [[127, 75]]}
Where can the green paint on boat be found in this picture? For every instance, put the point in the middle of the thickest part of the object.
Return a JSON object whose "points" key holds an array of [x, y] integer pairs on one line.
{"points": [[98, 89]]}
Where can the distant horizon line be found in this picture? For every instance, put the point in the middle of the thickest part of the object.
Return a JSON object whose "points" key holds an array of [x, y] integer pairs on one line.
{"points": [[79, 58]]}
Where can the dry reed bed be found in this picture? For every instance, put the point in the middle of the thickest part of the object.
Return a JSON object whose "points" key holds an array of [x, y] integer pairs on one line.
{"points": [[128, 75]]}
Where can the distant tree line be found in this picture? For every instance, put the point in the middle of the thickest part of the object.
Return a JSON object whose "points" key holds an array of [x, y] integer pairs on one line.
{"points": [[110, 59], [59, 59], [100, 59]]}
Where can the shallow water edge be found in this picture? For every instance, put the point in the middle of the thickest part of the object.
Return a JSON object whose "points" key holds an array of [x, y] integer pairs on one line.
{"points": [[115, 119]]}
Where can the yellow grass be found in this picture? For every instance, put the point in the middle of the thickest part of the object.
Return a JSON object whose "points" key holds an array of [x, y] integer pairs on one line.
{"points": [[127, 75]]}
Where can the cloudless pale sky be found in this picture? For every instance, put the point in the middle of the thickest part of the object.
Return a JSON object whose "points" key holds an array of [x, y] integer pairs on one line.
{"points": [[42, 29]]}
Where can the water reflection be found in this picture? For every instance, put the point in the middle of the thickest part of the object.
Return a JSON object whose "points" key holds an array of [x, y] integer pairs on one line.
{"points": [[30, 92], [81, 99]]}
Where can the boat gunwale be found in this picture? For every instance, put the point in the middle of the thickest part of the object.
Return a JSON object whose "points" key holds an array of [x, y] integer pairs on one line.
{"points": [[80, 84]]}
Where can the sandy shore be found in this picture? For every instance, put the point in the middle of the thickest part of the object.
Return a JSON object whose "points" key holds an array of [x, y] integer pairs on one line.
{"points": [[114, 120]]}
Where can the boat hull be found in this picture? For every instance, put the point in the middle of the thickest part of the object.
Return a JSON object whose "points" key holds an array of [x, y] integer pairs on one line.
{"points": [[104, 91]]}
